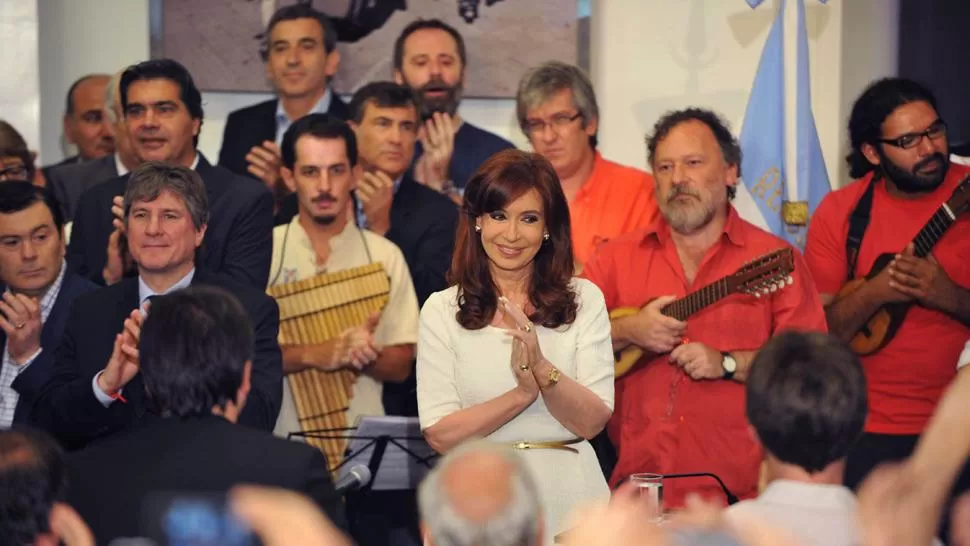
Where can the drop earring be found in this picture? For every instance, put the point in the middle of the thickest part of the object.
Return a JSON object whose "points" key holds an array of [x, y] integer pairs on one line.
{"points": [[478, 229], [545, 237]]}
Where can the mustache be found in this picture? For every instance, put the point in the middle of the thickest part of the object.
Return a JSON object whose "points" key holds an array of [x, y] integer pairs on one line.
{"points": [[324, 197], [677, 191], [436, 84], [936, 158]]}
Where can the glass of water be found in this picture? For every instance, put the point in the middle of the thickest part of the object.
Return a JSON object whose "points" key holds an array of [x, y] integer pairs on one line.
{"points": [[651, 489]]}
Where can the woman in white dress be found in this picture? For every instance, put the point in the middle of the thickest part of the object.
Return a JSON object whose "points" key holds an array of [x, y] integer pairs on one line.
{"points": [[518, 351]]}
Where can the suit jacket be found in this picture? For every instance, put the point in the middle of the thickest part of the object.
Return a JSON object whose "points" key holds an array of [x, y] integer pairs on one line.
{"points": [[111, 482], [68, 181], [30, 380], [238, 241], [65, 404], [250, 126]]}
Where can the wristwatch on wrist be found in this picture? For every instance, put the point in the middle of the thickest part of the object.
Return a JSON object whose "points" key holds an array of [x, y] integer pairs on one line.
{"points": [[729, 364], [448, 187], [553, 378]]}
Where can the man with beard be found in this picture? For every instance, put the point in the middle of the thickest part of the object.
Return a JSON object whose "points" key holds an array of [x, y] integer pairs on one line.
{"points": [[900, 155], [681, 408], [429, 57], [320, 165]]}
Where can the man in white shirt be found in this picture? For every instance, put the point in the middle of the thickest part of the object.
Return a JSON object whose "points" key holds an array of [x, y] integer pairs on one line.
{"points": [[320, 165], [807, 403]]}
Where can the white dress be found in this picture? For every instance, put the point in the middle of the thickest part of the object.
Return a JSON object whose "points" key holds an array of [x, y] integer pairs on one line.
{"points": [[459, 368]]}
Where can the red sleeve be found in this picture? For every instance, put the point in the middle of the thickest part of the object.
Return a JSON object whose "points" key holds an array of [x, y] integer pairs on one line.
{"points": [[601, 271], [825, 247], [798, 307]]}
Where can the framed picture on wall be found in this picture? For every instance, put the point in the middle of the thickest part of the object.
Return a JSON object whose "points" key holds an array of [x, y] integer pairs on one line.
{"points": [[219, 40]]}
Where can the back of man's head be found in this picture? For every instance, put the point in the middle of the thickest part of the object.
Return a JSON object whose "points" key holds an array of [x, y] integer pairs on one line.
{"points": [[806, 399], [195, 350], [481, 494], [32, 479]]}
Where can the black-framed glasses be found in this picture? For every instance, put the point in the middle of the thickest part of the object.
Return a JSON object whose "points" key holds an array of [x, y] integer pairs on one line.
{"points": [[912, 140], [558, 121]]}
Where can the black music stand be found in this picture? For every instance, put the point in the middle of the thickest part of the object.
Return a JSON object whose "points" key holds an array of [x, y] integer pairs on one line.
{"points": [[384, 511], [392, 447]]}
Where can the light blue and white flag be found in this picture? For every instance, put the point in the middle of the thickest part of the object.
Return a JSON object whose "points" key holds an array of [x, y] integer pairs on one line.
{"points": [[783, 168]]}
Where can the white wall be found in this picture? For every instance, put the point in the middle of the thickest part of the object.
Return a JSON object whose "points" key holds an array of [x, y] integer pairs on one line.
{"points": [[83, 36], [647, 57], [650, 57], [19, 104]]}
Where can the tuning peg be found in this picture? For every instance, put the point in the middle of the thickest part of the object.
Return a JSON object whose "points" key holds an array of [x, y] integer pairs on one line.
{"points": [[790, 280], [772, 287], [757, 294]]}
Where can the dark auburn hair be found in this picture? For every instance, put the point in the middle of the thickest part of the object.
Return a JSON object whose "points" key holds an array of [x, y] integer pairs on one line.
{"points": [[503, 178], [730, 148], [871, 109], [806, 398], [194, 347]]}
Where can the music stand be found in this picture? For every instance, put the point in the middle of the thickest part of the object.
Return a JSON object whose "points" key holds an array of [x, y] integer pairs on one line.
{"points": [[392, 447]]}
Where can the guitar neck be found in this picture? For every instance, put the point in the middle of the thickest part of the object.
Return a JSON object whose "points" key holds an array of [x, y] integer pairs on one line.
{"points": [[697, 300], [927, 237]]}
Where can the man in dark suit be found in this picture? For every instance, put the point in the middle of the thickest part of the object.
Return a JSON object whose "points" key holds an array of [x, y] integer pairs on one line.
{"points": [[91, 392], [300, 52], [196, 351], [163, 114], [41, 290], [69, 181]]}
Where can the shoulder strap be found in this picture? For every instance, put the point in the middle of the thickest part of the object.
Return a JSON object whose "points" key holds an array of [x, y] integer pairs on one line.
{"points": [[858, 222]]}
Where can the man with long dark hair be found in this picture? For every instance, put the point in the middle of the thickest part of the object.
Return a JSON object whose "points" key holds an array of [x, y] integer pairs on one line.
{"points": [[900, 155]]}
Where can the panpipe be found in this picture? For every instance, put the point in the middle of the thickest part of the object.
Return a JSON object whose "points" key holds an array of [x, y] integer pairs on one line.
{"points": [[314, 311]]}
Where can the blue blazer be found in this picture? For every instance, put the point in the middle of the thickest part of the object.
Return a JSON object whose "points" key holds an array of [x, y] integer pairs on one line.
{"points": [[28, 383]]}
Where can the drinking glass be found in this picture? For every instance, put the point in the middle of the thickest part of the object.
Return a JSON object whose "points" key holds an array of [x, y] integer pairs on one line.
{"points": [[651, 489]]}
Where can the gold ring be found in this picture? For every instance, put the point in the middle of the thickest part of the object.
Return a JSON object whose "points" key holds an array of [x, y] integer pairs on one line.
{"points": [[20, 326], [527, 327], [524, 367]]}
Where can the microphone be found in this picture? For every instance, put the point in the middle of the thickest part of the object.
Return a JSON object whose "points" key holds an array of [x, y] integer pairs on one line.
{"points": [[358, 476]]}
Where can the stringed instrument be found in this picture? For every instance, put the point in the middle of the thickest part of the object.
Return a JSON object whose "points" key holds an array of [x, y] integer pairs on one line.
{"points": [[885, 323], [759, 277]]}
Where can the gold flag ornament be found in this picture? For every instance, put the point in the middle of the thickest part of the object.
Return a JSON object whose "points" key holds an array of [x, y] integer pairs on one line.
{"points": [[795, 213]]}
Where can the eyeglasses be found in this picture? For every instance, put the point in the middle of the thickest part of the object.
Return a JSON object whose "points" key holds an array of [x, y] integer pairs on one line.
{"points": [[912, 140], [536, 126], [13, 172]]}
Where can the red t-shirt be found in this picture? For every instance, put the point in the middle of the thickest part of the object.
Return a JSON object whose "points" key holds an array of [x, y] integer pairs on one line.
{"points": [[663, 421], [907, 377]]}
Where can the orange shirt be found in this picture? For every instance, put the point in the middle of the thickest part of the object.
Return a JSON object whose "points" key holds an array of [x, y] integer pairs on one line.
{"points": [[613, 201], [663, 421], [907, 377]]}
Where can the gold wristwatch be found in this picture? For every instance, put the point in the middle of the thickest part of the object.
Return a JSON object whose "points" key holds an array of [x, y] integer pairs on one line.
{"points": [[553, 378]]}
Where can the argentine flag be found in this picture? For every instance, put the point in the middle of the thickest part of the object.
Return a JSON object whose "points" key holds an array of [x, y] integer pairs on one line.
{"points": [[782, 168]]}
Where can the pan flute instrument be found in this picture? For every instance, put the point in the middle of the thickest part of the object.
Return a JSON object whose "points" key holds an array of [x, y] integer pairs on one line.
{"points": [[313, 311]]}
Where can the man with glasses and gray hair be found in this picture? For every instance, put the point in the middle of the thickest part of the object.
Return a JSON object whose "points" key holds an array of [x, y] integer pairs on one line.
{"points": [[556, 109], [481, 494], [96, 387]]}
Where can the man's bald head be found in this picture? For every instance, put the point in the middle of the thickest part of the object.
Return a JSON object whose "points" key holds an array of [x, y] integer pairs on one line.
{"points": [[481, 494], [84, 124]]}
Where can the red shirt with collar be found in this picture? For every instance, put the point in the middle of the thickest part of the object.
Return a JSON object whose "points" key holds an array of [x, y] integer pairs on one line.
{"points": [[664, 422], [907, 377], [614, 200]]}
